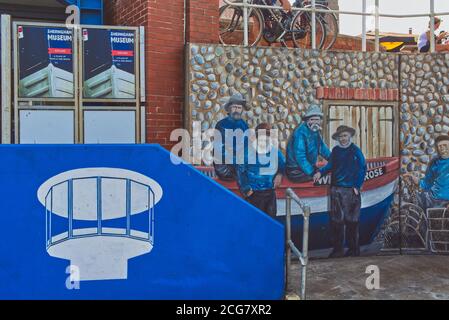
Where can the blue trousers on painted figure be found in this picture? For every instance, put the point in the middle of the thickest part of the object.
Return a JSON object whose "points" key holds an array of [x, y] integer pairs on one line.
{"points": [[344, 220]]}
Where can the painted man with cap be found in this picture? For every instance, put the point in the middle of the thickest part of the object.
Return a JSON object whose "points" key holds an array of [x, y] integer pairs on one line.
{"points": [[435, 184], [348, 167], [234, 108], [305, 146], [259, 177]]}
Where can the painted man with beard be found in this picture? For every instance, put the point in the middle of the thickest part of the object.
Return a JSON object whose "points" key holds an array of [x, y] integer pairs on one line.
{"points": [[305, 146], [230, 125]]}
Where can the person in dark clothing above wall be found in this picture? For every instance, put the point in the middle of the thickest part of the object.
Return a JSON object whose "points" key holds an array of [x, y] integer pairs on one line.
{"points": [[348, 167], [259, 177]]}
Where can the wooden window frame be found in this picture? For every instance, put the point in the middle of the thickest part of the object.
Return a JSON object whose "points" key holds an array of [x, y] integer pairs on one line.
{"points": [[327, 104]]}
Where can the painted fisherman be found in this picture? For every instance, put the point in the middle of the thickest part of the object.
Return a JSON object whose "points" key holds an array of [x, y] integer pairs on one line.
{"points": [[262, 174], [305, 146], [225, 167], [435, 185], [348, 167]]}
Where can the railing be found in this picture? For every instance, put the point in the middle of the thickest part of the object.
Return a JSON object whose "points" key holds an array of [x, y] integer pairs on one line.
{"points": [[290, 246], [377, 15], [125, 231]]}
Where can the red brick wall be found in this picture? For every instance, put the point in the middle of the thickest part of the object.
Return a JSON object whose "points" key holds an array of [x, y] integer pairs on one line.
{"points": [[202, 21], [348, 43], [164, 45], [126, 12], [377, 94]]}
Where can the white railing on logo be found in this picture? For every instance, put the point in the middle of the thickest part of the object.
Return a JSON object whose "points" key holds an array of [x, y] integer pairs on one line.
{"points": [[106, 222]]}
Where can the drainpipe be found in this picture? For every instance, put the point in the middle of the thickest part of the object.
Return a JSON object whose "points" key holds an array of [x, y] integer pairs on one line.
{"points": [[185, 21]]}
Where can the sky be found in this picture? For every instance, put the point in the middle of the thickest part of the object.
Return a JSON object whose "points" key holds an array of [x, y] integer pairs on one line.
{"points": [[352, 25]]}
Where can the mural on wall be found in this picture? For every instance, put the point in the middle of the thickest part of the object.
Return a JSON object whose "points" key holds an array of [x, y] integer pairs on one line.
{"points": [[279, 83], [280, 86], [424, 130]]}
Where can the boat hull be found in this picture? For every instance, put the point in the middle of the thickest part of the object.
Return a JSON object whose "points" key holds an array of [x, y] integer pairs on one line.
{"points": [[377, 197], [371, 221]]}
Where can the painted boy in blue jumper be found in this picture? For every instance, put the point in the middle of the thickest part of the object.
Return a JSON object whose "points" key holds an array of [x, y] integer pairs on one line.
{"points": [[435, 185], [233, 122], [348, 167], [258, 178], [305, 146]]}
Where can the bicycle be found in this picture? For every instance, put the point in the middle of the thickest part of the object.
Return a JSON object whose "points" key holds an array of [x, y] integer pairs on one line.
{"points": [[329, 20], [273, 25]]}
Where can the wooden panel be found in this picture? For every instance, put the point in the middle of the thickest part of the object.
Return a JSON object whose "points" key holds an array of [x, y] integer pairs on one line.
{"points": [[331, 126], [363, 133], [382, 133], [356, 124], [369, 133], [390, 132], [375, 125]]}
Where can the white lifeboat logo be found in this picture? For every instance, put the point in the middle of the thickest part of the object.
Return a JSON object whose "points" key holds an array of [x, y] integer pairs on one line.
{"points": [[99, 218]]}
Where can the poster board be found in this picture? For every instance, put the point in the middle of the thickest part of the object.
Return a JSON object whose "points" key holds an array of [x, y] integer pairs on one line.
{"points": [[109, 74], [46, 62]]}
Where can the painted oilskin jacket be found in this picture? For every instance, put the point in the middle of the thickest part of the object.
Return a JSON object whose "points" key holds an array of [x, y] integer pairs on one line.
{"points": [[436, 180], [348, 167], [230, 123], [303, 149], [260, 175]]}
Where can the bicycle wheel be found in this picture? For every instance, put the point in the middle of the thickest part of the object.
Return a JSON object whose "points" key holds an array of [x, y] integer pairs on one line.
{"points": [[330, 23], [231, 26], [302, 31]]}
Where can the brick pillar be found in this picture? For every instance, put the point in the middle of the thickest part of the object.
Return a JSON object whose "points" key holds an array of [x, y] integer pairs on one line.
{"points": [[165, 69], [126, 12], [164, 55], [164, 45], [202, 21]]}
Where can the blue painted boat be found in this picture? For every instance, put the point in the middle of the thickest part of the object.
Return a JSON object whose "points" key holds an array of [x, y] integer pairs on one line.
{"points": [[377, 198]]}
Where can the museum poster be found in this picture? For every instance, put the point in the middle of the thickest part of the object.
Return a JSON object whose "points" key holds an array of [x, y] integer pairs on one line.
{"points": [[109, 59], [45, 62]]}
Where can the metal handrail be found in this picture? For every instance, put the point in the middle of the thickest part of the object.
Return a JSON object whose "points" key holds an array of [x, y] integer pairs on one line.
{"points": [[432, 14], [290, 246]]}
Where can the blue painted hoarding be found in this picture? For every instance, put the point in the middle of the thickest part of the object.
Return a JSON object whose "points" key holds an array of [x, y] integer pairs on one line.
{"points": [[132, 225]]}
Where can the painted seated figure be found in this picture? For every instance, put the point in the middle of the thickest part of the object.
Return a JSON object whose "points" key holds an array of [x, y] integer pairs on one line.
{"points": [[305, 146], [435, 184]]}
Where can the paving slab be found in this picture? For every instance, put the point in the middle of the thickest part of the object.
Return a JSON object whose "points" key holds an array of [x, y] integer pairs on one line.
{"points": [[424, 277]]}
